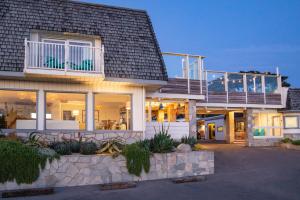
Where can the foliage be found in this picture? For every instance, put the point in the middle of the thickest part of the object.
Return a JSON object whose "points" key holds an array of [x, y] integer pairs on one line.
{"points": [[12, 137], [33, 140], [286, 140], [198, 147], [62, 148], [19, 162], [176, 143], [137, 158], [189, 140], [50, 154], [161, 143], [146, 144], [88, 148], [112, 146], [75, 146], [2, 134], [296, 142]]}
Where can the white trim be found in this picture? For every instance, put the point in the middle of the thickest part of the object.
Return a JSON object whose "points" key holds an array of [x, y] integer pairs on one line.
{"points": [[239, 105], [176, 96], [267, 137]]}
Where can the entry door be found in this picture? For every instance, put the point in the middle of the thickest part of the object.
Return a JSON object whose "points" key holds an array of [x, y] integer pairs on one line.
{"points": [[211, 131]]}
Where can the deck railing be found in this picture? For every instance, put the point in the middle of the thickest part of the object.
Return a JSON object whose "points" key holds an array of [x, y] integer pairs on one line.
{"points": [[63, 57]]}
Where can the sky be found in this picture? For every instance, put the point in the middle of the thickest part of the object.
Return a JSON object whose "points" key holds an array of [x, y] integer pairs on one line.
{"points": [[234, 35]]}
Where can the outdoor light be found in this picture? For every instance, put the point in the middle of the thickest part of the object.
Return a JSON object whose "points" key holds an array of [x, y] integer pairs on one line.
{"points": [[75, 112]]}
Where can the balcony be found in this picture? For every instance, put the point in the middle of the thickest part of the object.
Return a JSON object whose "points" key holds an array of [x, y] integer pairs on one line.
{"points": [[188, 77], [63, 59]]}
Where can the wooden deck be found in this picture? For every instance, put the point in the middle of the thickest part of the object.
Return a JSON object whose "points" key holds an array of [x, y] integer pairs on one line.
{"points": [[180, 86]]}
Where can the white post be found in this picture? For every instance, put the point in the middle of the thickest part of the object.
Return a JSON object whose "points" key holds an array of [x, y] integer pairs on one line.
{"points": [[263, 87], [206, 86], [187, 65], [200, 72], [102, 59], [26, 55], [41, 110], [90, 112], [245, 86], [226, 85], [67, 55]]}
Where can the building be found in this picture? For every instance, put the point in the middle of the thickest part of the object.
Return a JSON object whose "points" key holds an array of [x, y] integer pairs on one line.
{"points": [[71, 69]]}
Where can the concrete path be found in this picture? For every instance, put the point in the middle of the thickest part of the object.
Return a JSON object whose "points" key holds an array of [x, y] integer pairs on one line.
{"points": [[241, 173]]}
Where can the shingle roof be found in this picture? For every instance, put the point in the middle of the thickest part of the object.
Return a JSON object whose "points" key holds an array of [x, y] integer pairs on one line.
{"points": [[293, 99], [131, 48]]}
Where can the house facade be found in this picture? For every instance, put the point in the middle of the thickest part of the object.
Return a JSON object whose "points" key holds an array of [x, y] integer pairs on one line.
{"points": [[71, 69]]}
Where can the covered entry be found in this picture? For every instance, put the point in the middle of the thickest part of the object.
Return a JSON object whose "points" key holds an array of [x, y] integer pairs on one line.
{"points": [[221, 125]]}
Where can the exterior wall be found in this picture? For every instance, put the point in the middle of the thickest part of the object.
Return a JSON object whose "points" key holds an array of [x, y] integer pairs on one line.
{"points": [[75, 170], [192, 118], [138, 97], [176, 129], [217, 122], [292, 133]]}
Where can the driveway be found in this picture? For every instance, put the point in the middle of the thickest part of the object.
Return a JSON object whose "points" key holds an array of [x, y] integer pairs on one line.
{"points": [[241, 173]]}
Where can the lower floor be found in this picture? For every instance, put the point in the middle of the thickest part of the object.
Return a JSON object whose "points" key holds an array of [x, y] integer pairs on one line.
{"points": [[267, 173], [110, 109]]}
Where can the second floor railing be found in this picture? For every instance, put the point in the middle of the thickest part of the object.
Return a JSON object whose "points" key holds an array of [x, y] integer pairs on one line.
{"points": [[64, 57]]}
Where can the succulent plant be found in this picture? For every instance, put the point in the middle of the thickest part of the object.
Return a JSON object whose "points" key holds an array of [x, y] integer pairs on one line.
{"points": [[112, 146], [62, 148], [88, 148]]}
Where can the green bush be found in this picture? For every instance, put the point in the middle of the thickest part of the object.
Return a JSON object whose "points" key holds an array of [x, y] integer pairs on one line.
{"points": [[296, 142], [50, 154], [137, 158], [189, 140], [176, 143], [62, 148], [20, 162], [286, 140], [75, 146], [88, 148], [161, 143]]}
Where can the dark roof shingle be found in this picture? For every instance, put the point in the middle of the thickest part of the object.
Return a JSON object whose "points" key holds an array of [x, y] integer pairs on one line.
{"points": [[131, 48], [293, 99]]}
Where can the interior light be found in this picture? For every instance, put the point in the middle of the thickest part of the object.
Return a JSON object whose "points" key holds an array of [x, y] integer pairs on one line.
{"points": [[33, 115], [48, 116], [75, 112]]}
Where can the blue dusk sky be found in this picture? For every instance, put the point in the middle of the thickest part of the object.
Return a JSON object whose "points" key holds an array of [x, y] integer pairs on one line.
{"points": [[234, 35]]}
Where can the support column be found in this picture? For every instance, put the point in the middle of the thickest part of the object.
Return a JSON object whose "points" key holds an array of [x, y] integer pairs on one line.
{"points": [[41, 110], [90, 112], [230, 127], [192, 118], [249, 127]]}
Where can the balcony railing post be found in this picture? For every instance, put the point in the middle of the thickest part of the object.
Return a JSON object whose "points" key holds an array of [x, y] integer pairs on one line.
{"points": [[102, 59], [200, 63], [245, 86], [206, 82], [67, 56], [263, 87], [226, 85], [187, 66], [26, 54]]}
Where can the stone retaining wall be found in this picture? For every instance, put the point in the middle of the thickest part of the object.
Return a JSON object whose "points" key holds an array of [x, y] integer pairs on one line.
{"points": [[76, 169]]}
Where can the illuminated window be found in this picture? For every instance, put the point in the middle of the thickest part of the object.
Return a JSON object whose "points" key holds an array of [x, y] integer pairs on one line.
{"points": [[17, 110], [65, 111], [291, 122], [112, 112], [267, 124]]}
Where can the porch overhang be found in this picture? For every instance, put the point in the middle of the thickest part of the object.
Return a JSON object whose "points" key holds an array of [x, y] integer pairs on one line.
{"points": [[174, 96]]}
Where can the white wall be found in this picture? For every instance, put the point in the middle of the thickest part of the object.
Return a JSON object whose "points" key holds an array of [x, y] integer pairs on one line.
{"points": [[217, 122], [138, 95], [176, 129]]}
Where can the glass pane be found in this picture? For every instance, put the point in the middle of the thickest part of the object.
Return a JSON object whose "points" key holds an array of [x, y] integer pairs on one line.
{"points": [[235, 83], [65, 111], [291, 122], [254, 83], [271, 84], [81, 56], [215, 82], [17, 110], [114, 112]]}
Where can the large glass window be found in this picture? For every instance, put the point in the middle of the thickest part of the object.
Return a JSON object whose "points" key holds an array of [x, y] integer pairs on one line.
{"points": [[112, 112], [215, 82], [254, 83], [166, 111], [291, 122], [267, 124], [17, 110], [65, 111]]}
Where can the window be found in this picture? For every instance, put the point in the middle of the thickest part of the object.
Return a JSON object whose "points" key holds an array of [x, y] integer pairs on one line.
{"points": [[235, 83], [113, 112], [65, 111], [271, 84], [254, 83], [17, 110], [215, 82], [267, 124], [166, 111], [291, 122]]}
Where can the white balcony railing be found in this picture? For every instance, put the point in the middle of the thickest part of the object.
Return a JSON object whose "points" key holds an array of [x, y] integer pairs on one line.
{"points": [[63, 57]]}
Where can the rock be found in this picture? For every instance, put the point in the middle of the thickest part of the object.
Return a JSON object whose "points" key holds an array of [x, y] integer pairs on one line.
{"points": [[183, 148]]}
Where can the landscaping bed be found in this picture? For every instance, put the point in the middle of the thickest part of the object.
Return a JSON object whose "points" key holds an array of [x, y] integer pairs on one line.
{"points": [[290, 144]]}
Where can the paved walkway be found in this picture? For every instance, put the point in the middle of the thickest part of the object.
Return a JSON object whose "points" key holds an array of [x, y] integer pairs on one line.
{"points": [[241, 173]]}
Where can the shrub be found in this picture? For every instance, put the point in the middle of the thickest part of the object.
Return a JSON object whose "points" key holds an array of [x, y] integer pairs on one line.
{"points": [[189, 140], [176, 143], [286, 140], [137, 158], [146, 144], [112, 146], [296, 142], [33, 140], [88, 148], [161, 143], [62, 148], [19, 162], [75, 146], [198, 147], [50, 154]]}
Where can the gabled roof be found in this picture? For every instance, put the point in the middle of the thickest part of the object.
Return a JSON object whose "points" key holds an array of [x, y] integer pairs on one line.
{"points": [[293, 99], [131, 48]]}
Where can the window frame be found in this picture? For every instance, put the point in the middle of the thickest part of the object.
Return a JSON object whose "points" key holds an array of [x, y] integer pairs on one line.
{"points": [[267, 127], [45, 109], [36, 107], [131, 113], [291, 116]]}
